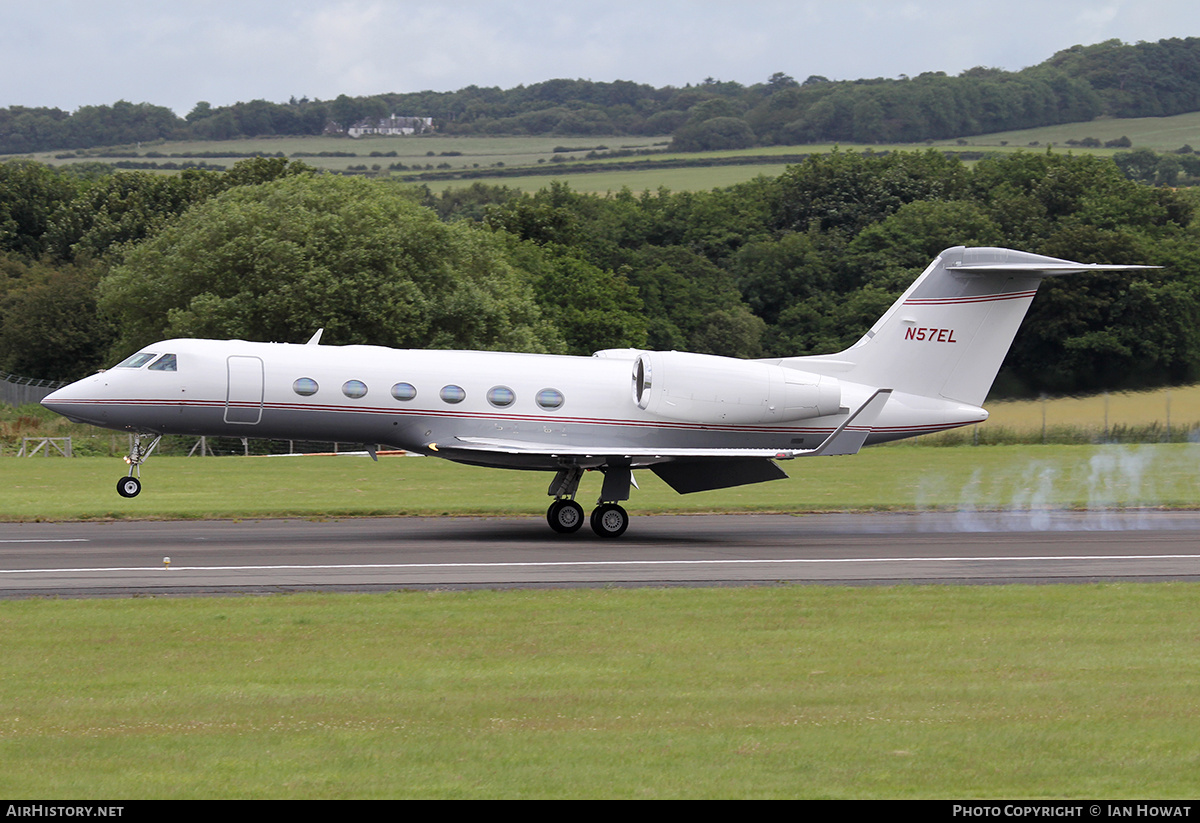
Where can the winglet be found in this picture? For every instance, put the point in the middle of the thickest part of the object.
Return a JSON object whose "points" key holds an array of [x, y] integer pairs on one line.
{"points": [[845, 440], [315, 340]]}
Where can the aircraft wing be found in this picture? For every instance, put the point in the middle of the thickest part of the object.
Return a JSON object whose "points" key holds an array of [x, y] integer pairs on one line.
{"points": [[847, 438]]}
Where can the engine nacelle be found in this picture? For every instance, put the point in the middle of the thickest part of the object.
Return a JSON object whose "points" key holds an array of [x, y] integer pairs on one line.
{"points": [[704, 388], [618, 354]]}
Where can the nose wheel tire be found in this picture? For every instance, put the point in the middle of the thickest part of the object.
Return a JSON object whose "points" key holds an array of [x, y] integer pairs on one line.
{"points": [[565, 516], [609, 520], [129, 486]]}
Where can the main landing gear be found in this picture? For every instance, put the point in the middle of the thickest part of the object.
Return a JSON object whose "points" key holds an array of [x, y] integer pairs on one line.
{"points": [[608, 519], [131, 485]]}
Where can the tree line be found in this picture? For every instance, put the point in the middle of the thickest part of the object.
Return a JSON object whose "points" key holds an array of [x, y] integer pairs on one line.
{"points": [[92, 268], [1077, 84]]}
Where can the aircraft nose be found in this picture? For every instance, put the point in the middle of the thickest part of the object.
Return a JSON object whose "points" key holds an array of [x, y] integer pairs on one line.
{"points": [[53, 401], [72, 402]]}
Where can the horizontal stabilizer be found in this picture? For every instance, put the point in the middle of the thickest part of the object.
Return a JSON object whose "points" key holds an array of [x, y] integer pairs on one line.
{"points": [[1047, 269]]}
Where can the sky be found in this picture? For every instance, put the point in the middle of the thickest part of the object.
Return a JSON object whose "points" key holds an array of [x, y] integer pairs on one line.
{"points": [[72, 53]]}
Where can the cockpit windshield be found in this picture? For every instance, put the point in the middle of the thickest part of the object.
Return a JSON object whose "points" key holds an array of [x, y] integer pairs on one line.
{"points": [[167, 362], [135, 361]]}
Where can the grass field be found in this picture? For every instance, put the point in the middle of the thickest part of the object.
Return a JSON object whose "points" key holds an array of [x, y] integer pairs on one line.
{"points": [[799, 691], [1171, 414], [604, 182], [902, 477], [1159, 133], [537, 152], [1180, 405], [458, 152]]}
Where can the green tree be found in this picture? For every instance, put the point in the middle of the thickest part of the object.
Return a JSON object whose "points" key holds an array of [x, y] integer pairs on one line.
{"points": [[891, 253], [123, 208], [592, 309], [714, 134], [732, 332], [691, 304], [827, 322], [128, 207], [848, 191], [201, 110], [550, 216], [278, 260], [49, 324], [780, 80], [30, 195], [586, 121], [1139, 165], [775, 273], [346, 111]]}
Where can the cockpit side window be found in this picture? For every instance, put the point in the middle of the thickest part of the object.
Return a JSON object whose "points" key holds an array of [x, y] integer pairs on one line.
{"points": [[136, 361], [167, 362]]}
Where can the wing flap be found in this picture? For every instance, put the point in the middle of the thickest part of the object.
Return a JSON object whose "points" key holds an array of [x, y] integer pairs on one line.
{"points": [[687, 476]]}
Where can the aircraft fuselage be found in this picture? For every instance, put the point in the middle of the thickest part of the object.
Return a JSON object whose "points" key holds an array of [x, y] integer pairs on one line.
{"points": [[417, 399]]}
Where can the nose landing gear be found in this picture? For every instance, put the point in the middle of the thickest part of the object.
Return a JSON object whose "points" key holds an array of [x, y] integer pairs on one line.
{"points": [[131, 485]]}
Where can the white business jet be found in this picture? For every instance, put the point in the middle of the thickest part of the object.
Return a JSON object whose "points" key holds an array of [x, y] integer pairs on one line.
{"points": [[697, 421]]}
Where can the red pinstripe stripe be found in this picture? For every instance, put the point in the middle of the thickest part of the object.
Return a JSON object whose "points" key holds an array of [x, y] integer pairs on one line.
{"points": [[464, 415]]}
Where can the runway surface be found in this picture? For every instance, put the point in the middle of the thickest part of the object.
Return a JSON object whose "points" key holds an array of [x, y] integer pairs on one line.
{"points": [[371, 554]]}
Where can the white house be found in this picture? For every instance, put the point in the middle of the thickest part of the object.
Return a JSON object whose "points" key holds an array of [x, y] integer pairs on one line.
{"points": [[391, 126]]}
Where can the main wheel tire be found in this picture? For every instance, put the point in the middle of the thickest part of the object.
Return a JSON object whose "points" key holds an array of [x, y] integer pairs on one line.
{"points": [[565, 516], [609, 520], [129, 486]]}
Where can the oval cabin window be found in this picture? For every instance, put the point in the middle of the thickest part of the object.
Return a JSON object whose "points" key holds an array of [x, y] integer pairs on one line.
{"points": [[501, 396], [453, 394], [404, 391], [354, 388], [305, 387], [550, 399]]}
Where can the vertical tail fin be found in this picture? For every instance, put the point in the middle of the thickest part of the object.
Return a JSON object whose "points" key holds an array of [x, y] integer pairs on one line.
{"points": [[949, 332]]}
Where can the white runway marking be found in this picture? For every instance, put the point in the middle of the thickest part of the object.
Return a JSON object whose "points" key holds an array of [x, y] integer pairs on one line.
{"points": [[596, 563], [49, 540]]}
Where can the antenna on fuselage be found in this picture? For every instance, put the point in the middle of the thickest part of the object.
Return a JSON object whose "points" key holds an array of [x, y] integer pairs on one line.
{"points": [[315, 340]]}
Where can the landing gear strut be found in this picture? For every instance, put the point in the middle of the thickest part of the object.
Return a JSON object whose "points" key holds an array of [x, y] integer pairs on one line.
{"points": [[608, 519], [131, 485], [565, 516]]}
